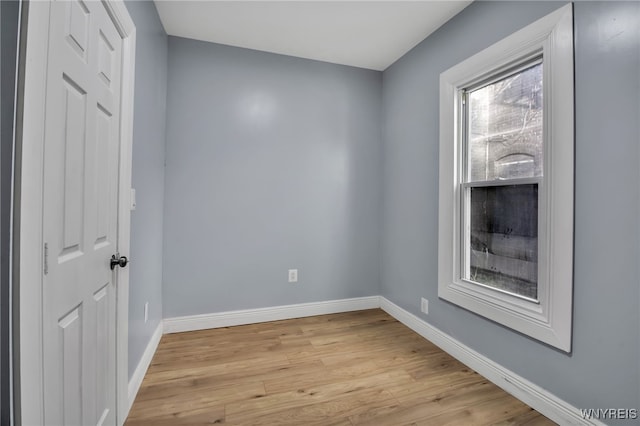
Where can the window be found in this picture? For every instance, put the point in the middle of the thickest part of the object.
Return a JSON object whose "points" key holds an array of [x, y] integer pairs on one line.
{"points": [[505, 245]]}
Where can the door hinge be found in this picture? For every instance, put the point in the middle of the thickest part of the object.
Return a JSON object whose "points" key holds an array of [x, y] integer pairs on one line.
{"points": [[46, 258]]}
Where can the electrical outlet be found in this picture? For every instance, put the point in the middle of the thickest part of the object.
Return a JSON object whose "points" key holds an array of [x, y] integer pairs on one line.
{"points": [[424, 306], [293, 275], [146, 311]]}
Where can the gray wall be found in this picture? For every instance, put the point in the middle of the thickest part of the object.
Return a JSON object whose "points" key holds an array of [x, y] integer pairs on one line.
{"points": [[273, 163], [145, 283], [603, 369]]}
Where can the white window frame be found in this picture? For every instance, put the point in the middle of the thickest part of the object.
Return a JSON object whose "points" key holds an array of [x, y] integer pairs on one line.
{"points": [[549, 319]]}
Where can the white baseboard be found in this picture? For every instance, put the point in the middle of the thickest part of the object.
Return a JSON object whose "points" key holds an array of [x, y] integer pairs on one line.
{"points": [[253, 316], [138, 375], [531, 394]]}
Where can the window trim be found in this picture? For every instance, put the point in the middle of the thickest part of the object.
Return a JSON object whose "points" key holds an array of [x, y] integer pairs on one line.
{"points": [[550, 318]]}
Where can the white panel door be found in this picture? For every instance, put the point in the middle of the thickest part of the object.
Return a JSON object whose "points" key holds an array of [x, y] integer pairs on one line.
{"points": [[81, 151]]}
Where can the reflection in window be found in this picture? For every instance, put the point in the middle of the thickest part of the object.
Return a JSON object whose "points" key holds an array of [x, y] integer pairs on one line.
{"points": [[515, 166], [505, 120], [504, 142], [504, 238]]}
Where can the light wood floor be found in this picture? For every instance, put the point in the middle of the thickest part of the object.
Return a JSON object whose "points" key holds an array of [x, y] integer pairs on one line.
{"points": [[344, 369]]}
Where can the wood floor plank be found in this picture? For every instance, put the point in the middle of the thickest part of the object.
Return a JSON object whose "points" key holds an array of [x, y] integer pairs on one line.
{"points": [[488, 412], [225, 370], [190, 401], [454, 400], [319, 412], [528, 417], [314, 393], [200, 416], [182, 388], [342, 369]]}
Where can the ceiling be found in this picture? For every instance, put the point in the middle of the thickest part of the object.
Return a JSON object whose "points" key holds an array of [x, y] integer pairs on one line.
{"points": [[365, 34]]}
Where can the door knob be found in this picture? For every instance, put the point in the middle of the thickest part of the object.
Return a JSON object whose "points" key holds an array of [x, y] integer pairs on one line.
{"points": [[121, 261]]}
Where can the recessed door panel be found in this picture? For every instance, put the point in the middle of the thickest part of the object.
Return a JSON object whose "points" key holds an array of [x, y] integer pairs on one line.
{"points": [[74, 107], [102, 309], [103, 182], [105, 59], [70, 332], [78, 27]]}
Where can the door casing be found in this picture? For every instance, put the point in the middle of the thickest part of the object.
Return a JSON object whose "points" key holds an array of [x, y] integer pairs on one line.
{"points": [[28, 250]]}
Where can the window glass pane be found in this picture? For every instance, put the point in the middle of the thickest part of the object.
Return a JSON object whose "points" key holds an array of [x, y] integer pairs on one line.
{"points": [[505, 127], [504, 238]]}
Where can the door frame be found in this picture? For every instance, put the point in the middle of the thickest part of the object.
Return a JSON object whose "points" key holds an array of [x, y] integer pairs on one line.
{"points": [[28, 247]]}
